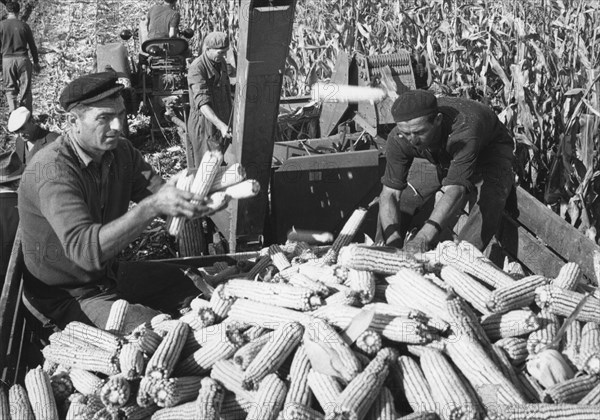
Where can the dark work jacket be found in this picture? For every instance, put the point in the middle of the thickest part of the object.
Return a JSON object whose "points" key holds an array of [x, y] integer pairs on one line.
{"points": [[40, 139]]}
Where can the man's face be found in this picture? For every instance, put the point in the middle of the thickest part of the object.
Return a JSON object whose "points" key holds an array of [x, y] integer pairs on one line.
{"points": [[216, 54], [99, 128], [27, 131], [421, 132]]}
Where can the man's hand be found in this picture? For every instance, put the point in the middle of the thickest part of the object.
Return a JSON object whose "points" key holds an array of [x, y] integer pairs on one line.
{"points": [[171, 201], [417, 245], [36, 68], [225, 132]]}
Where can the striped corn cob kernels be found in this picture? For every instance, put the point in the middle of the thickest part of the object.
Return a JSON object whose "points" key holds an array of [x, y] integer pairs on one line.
{"points": [[325, 388], [355, 400], [571, 342], [199, 319], [245, 354], [108, 414], [503, 363], [344, 296], [265, 315], [83, 407], [362, 282], [436, 315], [85, 382], [164, 359], [227, 176], [403, 312], [403, 330], [568, 277], [420, 416], [234, 407], [196, 339], [132, 411], [49, 366], [285, 275], [338, 315], [319, 332], [253, 332], [156, 320], [326, 274], [563, 302], [278, 257], [97, 337], [146, 339], [520, 294], [510, 324], [269, 398], [591, 398], [116, 392], [199, 303], [467, 287], [466, 324], [448, 390], [18, 402], [278, 294], [345, 237], [272, 355], [230, 376], [261, 264], [299, 391], [531, 389], [383, 406], [185, 411], [571, 390], [297, 411], [146, 391], [300, 280], [515, 349], [546, 412], [61, 385], [376, 260], [4, 407], [199, 362], [39, 390], [131, 361], [413, 383], [210, 399], [117, 316], [369, 342], [589, 351], [89, 358], [173, 391], [541, 339], [219, 303]]}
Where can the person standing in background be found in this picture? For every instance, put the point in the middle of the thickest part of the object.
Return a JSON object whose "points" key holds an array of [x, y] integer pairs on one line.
{"points": [[16, 42], [11, 169], [163, 20], [31, 137]]}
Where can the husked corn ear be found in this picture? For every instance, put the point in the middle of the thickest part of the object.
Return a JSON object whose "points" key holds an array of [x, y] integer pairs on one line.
{"points": [[327, 274], [298, 411], [220, 303], [173, 391], [273, 354], [503, 363], [83, 407], [85, 382], [541, 339], [163, 361], [377, 260], [199, 303], [510, 324], [346, 235], [61, 386], [325, 388], [467, 287], [115, 392], [210, 399], [568, 277], [235, 407], [546, 412], [146, 391], [278, 257], [39, 390], [159, 319], [383, 406], [227, 176], [563, 302], [246, 354], [591, 398], [199, 319], [447, 388], [589, 350], [571, 342], [403, 312], [146, 339], [571, 390], [186, 411], [196, 339], [515, 349], [230, 376], [18, 403], [362, 282], [369, 342], [132, 411], [520, 294], [403, 330], [90, 358], [300, 280], [117, 316], [199, 362], [265, 315], [299, 391], [131, 361], [414, 385], [530, 387], [269, 398], [278, 294], [344, 296], [104, 340], [261, 264]]}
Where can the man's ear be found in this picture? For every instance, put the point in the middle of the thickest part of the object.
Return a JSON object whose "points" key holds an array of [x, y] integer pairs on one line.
{"points": [[438, 119], [72, 118]]}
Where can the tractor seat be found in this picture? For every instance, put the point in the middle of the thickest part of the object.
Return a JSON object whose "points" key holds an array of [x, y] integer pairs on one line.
{"points": [[162, 47]]}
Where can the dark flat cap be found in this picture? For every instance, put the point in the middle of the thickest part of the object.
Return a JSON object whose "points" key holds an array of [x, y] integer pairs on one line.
{"points": [[216, 40], [89, 89], [414, 104]]}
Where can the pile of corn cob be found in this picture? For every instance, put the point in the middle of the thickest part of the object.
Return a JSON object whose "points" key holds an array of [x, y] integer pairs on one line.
{"points": [[346, 332]]}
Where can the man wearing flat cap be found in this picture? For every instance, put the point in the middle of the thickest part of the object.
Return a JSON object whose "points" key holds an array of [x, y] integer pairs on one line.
{"points": [[11, 169], [74, 203], [162, 20], [473, 154], [31, 137], [210, 98]]}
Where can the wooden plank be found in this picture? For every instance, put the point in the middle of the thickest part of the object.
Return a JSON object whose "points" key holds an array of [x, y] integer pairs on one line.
{"points": [[556, 233]]}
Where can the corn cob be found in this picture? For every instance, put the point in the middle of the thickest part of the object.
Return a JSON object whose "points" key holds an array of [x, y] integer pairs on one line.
{"points": [[591, 398], [327, 274], [589, 351], [115, 392], [549, 368], [173, 391], [278, 257], [414, 385], [245, 189], [402, 330], [376, 260], [356, 399], [571, 342], [227, 176], [131, 361], [204, 358], [203, 180], [93, 359], [234, 407], [196, 339], [117, 316], [300, 280], [61, 386], [515, 349], [39, 390], [369, 342], [571, 391], [542, 338], [146, 339], [18, 403], [467, 287], [325, 388], [420, 416], [510, 324], [272, 355], [165, 326], [83, 407], [146, 391], [520, 294], [568, 277], [447, 388], [299, 392], [283, 295], [185, 411], [230, 377], [269, 398], [254, 332], [530, 387], [85, 382], [344, 296], [209, 400], [265, 315], [199, 303], [546, 412], [383, 406], [563, 302], [158, 319], [345, 237], [245, 354], [319, 333], [362, 282], [503, 363], [199, 319], [297, 411], [97, 337], [50, 367], [164, 359], [261, 264]]}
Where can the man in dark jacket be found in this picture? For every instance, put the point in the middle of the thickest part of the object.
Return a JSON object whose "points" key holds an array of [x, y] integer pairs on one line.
{"points": [[16, 41], [473, 156], [31, 137], [11, 169], [210, 97], [163, 20]]}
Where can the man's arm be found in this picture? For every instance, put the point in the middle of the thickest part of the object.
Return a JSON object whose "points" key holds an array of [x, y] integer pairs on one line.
{"points": [[32, 49], [389, 215], [209, 113]]}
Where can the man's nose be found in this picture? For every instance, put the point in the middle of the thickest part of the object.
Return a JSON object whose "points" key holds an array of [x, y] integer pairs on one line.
{"points": [[116, 124]]}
